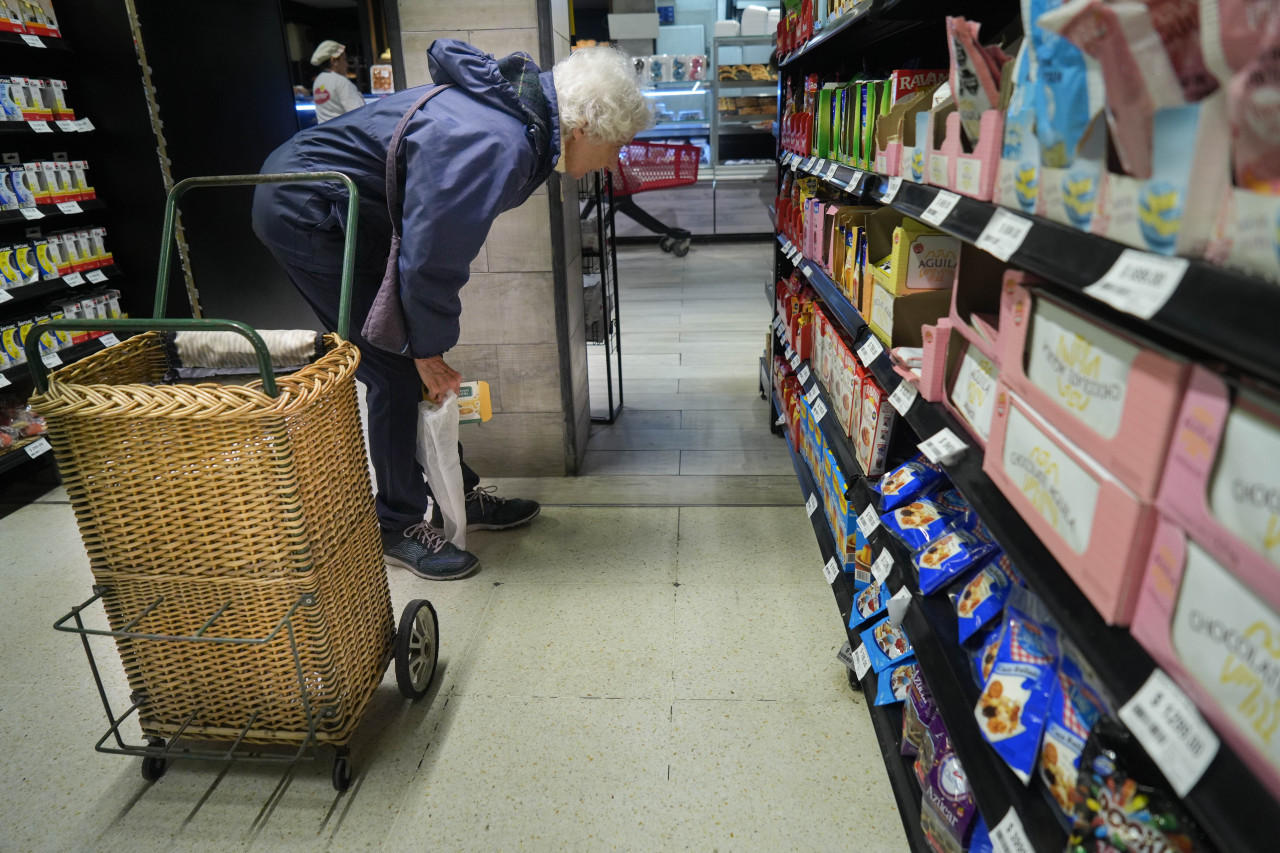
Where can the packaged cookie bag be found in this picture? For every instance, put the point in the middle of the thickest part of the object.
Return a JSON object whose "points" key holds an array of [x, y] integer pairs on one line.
{"points": [[981, 599], [947, 807], [918, 523], [950, 556], [1074, 709], [912, 479], [1014, 703], [892, 684], [885, 644], [984, 658], [868, 604], [918, 712]]}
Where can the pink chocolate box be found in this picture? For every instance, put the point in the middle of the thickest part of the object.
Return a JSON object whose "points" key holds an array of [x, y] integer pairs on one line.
{"points": [[1096, 527], [933, 365], [1103, 390]]}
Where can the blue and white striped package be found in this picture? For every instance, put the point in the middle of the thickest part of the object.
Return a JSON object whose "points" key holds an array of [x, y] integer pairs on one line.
{"points": [[1073, 710], [885, 644], [868, 604], [951, 555], [892, 684], [918, 523], [912, 479]]}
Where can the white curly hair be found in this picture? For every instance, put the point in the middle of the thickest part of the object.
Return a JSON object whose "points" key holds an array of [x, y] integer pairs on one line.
{"points": [[599, 91]]}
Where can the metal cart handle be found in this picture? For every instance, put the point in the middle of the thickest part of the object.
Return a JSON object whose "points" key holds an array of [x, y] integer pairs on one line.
{"points": [[39, 372]]}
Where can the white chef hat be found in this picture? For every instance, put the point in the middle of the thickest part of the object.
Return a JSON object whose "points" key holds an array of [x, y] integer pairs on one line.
{"points": [[326, 50]]}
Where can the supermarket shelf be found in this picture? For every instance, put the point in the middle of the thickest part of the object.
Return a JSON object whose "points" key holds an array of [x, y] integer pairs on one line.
{"points": [[1244, 308], [25, 128], [746, 121], [678, 127], [844, 22], [827, 290], [22, 452], [9, 40], [20, 372], [681, 86], [41, 290], [832, 431], [745, 41], [726, 86], [49, 211]]}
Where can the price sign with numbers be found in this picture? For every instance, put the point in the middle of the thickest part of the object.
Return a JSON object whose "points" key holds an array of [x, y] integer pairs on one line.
{"points": [[1171, 730], [34, 41], [811, 504], [870, 350], [861, 662], [903, 397], [868, 521], [38, 447], [70, 207], [811, 395], [40, 126], [882, 566], [831, 571], [74, 279], [854, 183], [31, 213], [831, 171], [84, 125], [795, 362], [1008, 836], [819, 411], [807, 269], [51, 360], [891, 191], [108, 340], [940, 208], [845, 655], [943, 447], [786, 248], [1004, 234], [96, 276], [789, 352], [1139, 283], [804, 375], [67, 126]]}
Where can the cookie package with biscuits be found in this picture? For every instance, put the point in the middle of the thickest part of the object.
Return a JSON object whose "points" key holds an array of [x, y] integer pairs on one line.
{"points": [[1074, 709], [952, 555], [913, 479], [981, 599], [893, 683], [869, 603], [885, 643], [918, 523]]}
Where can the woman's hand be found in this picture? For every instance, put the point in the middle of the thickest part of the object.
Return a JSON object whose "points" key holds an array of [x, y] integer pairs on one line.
{"points": [[439, 377]]}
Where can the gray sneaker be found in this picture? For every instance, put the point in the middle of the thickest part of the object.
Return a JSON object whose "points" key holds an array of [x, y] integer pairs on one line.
{"points": [[424, 551]]}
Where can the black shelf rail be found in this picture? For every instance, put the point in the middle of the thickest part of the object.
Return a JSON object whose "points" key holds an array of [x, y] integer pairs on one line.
{"points": [[46, 42], [50, 212], [20, 128], [847, 20], [21, 452], [54, 287], [832, 429], [832, 296], [22, 372], [885, 719]]}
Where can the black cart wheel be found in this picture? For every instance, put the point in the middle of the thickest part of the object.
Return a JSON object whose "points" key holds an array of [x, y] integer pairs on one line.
{"points": [[854, 683], [153, 767], [666, 243], [680, 249], [417, 648], [341, 773]]}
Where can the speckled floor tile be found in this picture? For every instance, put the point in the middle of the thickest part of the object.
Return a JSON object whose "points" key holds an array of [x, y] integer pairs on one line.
{"points": [[732, 545], [614, 462]]}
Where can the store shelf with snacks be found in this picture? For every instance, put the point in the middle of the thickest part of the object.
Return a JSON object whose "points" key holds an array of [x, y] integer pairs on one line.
{"points": [[830, 293], [14, 296], [34, 42], [20, 373], [834, 28], [20, 128], [819, 397], [50, 211], [22, 452]]}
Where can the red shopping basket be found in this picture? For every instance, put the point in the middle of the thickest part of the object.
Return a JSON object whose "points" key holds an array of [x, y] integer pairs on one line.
{"points": [[646, 166]]}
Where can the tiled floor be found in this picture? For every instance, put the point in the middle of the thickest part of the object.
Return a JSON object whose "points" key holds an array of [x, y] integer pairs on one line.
{"points": [[649, 666]]}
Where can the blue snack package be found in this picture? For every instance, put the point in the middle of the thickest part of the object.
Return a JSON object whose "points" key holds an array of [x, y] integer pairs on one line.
{"points": [[1014, 705], [984, 658], [912, 479], [885, 644], [952, 501], [980, 841], [892, 684], [1074, 708], [982, 598], [918, 523], [1063, 101], [950, 556], [868, 604]]}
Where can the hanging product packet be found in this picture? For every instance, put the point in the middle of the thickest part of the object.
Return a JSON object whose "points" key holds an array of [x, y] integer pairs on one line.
{"points": [[918, 711], [912, 479], [984, 657], [891, 685], [950, 556], [975, 88], [918, 523], [869, 604], [1012, 709], [981, 599], [980, 841], [1074, 708], [885, 643], [1066, 98], [947, 806], [1123, 805]]}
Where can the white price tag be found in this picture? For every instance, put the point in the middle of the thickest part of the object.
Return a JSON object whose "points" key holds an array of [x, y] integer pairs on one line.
{"points": [[870, 350], [34, 41], [1171, 730], [807, 269], [51, 360], [4, 381], [854, 182], [74, 279], [31, 213], [67, 126], [804, 375], [84, 125], [789, 352], [831, 170], [811, 395], [1008, 836], [795, 362], [70, 207], [882, 566], [861, 662], [897, 606], [831, 571], [1139, 283], [941, 206], [108, 340], [845, 655], [819, 410], [38, 447], [40, 126], [786, 248], [903, 397], [943, 447], [810, 163], [96, 276], [1004, 234], [891, 191], [868, 521], [5, 295], [812, 504]]}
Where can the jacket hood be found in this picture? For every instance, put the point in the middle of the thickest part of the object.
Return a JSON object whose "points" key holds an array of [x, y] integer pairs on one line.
{"points": [[475, 72]]}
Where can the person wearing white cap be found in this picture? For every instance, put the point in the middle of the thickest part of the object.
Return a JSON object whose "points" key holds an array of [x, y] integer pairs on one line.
{"points": [[333, 93]]}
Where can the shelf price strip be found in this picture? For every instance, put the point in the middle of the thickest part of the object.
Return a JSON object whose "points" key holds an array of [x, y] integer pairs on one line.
{"points": [[861, 662], [819, 410], [902, 398], [1171, 730], [940, 208], [804, 375], [1008, 836], [811, 505], [868, 521], [870, 350], [1004, 234], [1139, 283], [811, 395], [882, 566], [831, 571], [38, 448], [891, 191], [943, 447]]}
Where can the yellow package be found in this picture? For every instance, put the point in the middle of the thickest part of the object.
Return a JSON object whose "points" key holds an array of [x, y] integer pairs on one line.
{"points": [[473, 403]]}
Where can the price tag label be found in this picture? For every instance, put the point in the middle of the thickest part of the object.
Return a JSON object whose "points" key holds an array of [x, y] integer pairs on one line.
{"points": [[811, 505], [804, 375], [861, 662], [882, 566], [51, 360], [96, 276], [811, 395], [810, 163], [39, 447], [84, 125], [807, 269], [74, 279], [40, 126], [940, 208], [868, 521], [4, 381], [795, 362], [1004, 234], [897, 606], [845, 655], [903, 397], [5, 296], [108, 340], [1171, 730], [1139, 283], [31, 213], [891, 191], [943, 447], [819, 411], [67, 126], [831, 171], [34, 41], [786, 247], [1008, 836], [854, 184], [70, 207], [831, 571], [789, 352], [786, 158], [870, 350]]}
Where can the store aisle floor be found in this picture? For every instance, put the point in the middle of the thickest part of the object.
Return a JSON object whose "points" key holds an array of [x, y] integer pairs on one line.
{"points": [[649, 666]]}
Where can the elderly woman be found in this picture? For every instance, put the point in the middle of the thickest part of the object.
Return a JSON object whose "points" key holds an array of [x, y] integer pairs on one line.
{"points": [[458, 157]]}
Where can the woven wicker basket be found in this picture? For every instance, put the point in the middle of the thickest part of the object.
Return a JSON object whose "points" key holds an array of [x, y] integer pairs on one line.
{"points": [[207, 495]]}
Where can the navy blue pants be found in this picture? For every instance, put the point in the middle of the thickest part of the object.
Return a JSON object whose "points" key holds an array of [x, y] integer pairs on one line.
{"points": [[304, 233]]}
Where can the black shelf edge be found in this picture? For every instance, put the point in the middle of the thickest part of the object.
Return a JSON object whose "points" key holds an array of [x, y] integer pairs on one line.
{"points": [[846, 21], [17, 455], [20, 128], [832, 296], [55, 287], [51, 212], [832, 430], [21, 372], [50, 42]]}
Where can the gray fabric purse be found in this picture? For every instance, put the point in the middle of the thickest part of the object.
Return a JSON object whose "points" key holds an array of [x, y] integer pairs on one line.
{"points": [[385, 326]]}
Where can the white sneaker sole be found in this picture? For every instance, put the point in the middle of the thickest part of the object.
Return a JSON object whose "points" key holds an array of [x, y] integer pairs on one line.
{"points": [[401, 564]]}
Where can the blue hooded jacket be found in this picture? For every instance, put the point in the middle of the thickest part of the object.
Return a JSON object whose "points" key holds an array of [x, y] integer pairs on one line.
{"points": [[472, 152]]}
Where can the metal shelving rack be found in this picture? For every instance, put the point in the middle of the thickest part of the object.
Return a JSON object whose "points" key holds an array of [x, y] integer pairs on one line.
{"points": [[737, 125], [600, 272]]}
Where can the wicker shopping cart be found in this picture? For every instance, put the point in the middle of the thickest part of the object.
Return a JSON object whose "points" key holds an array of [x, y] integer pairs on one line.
{"points": [[232, 538]]}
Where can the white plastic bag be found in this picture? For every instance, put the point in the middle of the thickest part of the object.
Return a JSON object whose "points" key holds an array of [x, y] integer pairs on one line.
{"points": [[438, 456]]}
